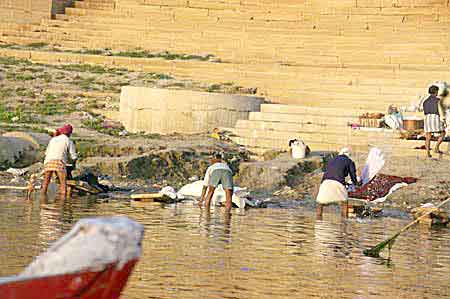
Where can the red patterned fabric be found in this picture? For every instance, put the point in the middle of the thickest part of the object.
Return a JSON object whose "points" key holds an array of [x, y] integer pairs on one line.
{"points": [[55, 165], [379, 186]]}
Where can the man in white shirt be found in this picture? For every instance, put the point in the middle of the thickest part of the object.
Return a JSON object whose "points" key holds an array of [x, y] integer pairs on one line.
{"points": [[59, 150], [218, 173]]}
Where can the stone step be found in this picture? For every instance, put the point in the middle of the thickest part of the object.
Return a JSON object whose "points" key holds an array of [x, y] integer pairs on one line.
{"points": [[344, 134], [313, 111], [302, 119], [295, 127], [94, 5], [406, 147], [266, 144]]}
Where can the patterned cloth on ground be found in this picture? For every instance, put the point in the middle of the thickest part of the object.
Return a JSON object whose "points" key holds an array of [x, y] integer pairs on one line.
{"points": [[379, 186]]}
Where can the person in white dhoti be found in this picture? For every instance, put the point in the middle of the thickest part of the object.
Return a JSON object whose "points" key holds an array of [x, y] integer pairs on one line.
{"points": [[332, 189], [434, 122]]}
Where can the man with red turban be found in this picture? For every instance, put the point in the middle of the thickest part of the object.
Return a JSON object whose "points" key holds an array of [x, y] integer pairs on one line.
{"points": [[59, 150]]}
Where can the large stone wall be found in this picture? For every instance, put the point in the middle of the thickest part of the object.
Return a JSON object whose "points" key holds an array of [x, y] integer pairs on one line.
{"points": [[25, 11], [163, 111]]}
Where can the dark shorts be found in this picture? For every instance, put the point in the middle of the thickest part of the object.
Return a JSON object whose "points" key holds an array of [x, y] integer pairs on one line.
{"points": [[221, 176]]}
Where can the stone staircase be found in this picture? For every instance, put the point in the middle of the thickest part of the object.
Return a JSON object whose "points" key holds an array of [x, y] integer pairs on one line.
{"points": [[323, 129], [329, 60]]}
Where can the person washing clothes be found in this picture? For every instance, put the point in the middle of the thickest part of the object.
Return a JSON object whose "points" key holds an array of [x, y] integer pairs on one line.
{"points": [[332, 189], [57, 155], [434, 120], [218, 173]]}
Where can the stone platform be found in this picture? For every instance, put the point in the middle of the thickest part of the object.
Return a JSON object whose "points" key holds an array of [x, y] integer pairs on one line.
{"points": [[165, 111], [322, 129]]}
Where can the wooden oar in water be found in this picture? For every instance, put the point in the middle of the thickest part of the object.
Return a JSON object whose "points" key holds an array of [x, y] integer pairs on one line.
{"points": [[375, 251]]}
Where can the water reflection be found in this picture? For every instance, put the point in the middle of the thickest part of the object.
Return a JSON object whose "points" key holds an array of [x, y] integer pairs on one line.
{"points": [[264, 253]]}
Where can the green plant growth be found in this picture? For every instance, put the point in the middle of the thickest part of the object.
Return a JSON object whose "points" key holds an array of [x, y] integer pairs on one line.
{"points": [[163, 55], [214, 88], [37, 45], [98, 124], [8, 114], [53, 105], [13, 61], [88, 68]]}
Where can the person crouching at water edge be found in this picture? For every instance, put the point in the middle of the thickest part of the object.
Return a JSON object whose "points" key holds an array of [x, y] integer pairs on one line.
{"points": [[58, 151], [218, 173], [332, 189]]}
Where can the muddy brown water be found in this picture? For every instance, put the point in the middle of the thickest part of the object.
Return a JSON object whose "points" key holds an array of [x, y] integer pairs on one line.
{"points": [[278, 252]]}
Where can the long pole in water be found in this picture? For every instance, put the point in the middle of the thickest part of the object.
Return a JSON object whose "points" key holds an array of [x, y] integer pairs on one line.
{"points": [[375, 251]]}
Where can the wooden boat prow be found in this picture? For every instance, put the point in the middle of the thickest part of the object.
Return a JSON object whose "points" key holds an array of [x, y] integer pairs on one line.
{"points": [[92, 261]]}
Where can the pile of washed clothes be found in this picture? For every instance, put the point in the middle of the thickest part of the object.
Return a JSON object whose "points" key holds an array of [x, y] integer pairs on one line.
{"points": [[241, 197], [376, 187]]}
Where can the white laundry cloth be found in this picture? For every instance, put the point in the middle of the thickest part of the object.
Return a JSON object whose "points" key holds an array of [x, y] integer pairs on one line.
{"points": [[374, 163], [195, 190]]}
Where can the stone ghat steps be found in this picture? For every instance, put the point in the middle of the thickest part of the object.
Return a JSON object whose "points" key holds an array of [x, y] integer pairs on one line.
{"points": [[282, 89], [319, 142], [306, 15], [405, 7], [255, 29], [312, 111], [278, 40], [299, 118], [292, 11], [141, 18], [260, 145], [279, 75], [141, 15], [256, 49], [267, 76], [282, 40], [253, 55], [279, 46], [302, 124], [257, 153], [324, 135], [92, 4]]}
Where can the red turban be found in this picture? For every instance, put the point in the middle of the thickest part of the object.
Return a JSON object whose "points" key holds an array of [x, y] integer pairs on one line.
{"points": [[66, 130]]}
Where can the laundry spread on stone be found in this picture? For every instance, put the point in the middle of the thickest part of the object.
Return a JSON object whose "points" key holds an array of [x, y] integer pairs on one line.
{"points": [[379, 186]]}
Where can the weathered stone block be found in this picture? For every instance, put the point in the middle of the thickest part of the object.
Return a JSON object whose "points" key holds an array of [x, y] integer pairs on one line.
{"points": [[166, 111]]}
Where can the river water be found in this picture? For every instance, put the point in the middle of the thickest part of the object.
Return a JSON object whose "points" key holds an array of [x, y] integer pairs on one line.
{"points": [[278, 252]]}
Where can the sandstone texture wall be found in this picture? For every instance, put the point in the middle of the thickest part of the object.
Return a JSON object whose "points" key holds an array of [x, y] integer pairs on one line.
{"points": [[163, 111], [25, 11]]}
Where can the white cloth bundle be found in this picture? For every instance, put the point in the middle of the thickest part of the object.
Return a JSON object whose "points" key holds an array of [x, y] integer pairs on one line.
{"points": [[374, 163], [195, 190], [298, 148]]}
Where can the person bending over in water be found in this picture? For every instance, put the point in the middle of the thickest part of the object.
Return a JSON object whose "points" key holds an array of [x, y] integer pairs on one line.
{"points": [[58, 151], [332, 189], [218, 173]]}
